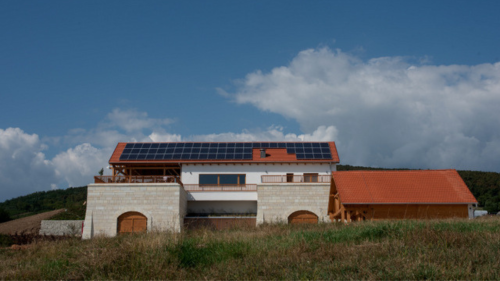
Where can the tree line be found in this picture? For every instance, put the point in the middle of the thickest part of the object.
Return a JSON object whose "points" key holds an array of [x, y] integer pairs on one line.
{"points": [[71, 199]]}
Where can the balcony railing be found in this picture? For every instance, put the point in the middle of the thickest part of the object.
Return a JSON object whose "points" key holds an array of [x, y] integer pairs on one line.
{"points": [[221, 187], [296, 178], [137, 179]]}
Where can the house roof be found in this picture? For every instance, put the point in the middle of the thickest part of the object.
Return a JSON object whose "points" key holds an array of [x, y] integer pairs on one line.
{"points": [[282, 153], [397, 187]]}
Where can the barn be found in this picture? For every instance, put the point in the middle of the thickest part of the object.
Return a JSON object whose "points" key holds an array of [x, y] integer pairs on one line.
{"points": [[409, 194]]}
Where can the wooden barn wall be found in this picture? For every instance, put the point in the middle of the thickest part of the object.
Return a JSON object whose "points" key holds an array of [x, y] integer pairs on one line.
{"points": [[416, 211]]}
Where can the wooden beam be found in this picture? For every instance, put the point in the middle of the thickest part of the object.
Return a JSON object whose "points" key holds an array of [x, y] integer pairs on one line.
{"points": [[336, 213]]}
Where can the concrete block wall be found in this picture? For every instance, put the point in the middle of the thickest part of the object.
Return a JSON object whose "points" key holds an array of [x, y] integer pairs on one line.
{"points": [[164, 205], [278, 201], [61, 227]]}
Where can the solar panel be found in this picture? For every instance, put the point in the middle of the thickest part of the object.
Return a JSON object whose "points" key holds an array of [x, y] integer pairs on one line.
{"points": [[220, 151]]}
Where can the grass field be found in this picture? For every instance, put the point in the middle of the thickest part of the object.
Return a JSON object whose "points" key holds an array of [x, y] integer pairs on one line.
{"points": [[441, 249]]}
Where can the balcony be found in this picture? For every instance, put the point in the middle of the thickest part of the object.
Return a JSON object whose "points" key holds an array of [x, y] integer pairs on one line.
{"points": [[220, 187], [296, 178], [137, 179]]}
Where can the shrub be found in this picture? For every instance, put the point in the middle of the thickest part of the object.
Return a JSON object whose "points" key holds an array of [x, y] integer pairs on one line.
{"points": [[6, 240]]}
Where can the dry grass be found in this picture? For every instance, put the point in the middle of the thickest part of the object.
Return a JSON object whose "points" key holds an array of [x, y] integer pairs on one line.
{"points": [[441, 249]]}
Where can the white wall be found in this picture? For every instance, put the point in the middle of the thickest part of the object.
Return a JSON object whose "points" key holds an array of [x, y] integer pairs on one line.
{"points": [[190, 172]]}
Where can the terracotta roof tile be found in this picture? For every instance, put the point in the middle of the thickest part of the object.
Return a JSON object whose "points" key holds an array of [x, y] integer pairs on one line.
{"points": [[423, 186]]}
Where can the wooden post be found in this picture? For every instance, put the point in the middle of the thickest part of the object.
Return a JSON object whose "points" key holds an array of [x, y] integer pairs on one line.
{"points": [[348, 216], [342, 215]]}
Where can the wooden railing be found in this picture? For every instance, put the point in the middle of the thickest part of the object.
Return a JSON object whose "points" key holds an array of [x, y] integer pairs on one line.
{"points": [[137, 179], [221, 187], [296, 178]]}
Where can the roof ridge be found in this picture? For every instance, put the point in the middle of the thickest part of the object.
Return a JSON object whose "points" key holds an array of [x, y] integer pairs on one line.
{"points": [[386, 171]]}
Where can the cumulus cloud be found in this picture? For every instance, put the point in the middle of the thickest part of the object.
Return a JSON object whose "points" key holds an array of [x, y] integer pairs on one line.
{"points": [[23, 167], [132, 120], [118, 126], [274, 133], [386, 111], [77, 165]]}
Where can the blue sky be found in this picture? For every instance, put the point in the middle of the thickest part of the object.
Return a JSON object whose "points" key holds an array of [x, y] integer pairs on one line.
{"points": [[394, 83]]}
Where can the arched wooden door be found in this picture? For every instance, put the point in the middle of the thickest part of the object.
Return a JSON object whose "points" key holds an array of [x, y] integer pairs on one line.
{"points": [[302, 217], [132, 222]]}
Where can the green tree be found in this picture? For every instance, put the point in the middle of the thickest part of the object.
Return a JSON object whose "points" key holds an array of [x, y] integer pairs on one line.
{"points": [[4, 216]]}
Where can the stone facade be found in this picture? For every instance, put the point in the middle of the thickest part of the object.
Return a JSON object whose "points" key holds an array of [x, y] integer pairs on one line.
{"points": [[61, 227], [278, 201], [163, 204]]}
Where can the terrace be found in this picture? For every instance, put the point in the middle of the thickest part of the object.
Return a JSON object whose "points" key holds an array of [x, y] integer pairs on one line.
{"points": [[307, 178]]}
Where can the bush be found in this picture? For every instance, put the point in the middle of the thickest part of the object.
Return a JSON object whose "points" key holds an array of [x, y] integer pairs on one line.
{"points": [[6, 240]]}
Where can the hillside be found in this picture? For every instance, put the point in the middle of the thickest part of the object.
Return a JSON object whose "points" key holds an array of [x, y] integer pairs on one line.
{"points": [[71, 199], [29, 224]]}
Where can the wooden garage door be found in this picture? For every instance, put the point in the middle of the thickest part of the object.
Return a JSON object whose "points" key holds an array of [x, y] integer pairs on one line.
{"points": [[132, 222], [302, 217]]}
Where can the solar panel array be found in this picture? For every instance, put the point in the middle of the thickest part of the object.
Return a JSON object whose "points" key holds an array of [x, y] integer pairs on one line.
{"points": [[219, 151]]}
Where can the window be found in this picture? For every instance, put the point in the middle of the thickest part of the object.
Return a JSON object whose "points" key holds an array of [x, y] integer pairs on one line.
{"points": [[310, 177], [222, 179], [289, 177]]}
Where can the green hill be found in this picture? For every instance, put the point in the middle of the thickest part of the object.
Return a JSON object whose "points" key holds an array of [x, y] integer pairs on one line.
{"points": [[71, 199]]}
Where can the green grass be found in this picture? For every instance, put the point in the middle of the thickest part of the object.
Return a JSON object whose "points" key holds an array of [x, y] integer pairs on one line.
{"points": [[438, 249]]}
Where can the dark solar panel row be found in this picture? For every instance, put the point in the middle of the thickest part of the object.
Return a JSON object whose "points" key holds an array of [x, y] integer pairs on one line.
{"points": [[186, 156], [219, 151]]}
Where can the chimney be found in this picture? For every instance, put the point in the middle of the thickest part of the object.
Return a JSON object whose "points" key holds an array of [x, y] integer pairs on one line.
{"points": [[262, 153]]}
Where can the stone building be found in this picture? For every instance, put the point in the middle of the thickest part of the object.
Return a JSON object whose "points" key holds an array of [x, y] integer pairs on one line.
{"points": [[171, 186], [168, 186]]}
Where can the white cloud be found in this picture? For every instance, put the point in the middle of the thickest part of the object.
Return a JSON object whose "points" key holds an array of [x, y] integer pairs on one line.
{"points": [[132, 120], [77, 165], [164, 137], [119, 126], [274, 133], [23, 167], [387, 112]]}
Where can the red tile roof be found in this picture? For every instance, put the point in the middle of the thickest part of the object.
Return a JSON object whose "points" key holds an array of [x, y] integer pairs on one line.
{"points": [[277, 155], [382, 187]]}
